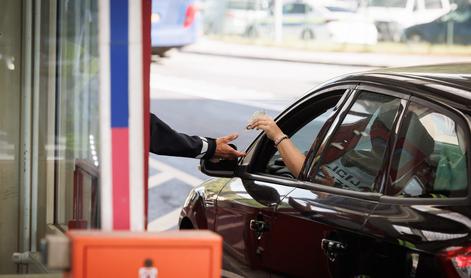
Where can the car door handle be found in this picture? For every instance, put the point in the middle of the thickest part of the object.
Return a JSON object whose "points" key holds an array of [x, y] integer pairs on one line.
{"points": [[259, 227], [333, 248]]}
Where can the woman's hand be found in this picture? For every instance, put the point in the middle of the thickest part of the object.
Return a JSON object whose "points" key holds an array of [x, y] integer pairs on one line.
{"points": [[292, 157], [268, 125]]}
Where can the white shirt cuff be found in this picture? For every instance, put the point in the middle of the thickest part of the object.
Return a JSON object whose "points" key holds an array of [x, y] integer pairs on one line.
{"points": [[204, 147]]}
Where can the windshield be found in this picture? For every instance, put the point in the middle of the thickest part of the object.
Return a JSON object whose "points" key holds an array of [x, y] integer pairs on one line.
{"points": [[338, 9], [247, 5], [388, 3]]}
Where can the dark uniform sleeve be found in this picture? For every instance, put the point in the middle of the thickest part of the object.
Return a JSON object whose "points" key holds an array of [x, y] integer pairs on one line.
{"points": [[166, 141]]}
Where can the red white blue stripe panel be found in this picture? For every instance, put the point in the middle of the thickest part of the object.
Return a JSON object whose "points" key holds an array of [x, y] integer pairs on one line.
{"points": [[121, 96]]}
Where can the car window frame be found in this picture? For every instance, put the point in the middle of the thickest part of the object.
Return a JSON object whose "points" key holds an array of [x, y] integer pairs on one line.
{"points": [[454, 114], [380, 179], [247, 164]]}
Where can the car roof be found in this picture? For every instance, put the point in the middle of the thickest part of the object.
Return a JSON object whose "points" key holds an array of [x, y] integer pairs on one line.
{"points": [[446, 82]]}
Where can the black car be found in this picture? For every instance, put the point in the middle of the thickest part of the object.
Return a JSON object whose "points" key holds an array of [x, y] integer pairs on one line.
{"points": [[454, 27], [384, 190]]}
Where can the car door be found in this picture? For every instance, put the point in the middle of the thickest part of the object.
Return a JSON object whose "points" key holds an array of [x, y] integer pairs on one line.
{"points": [[425, 206], [245, 206], [317, 228]]}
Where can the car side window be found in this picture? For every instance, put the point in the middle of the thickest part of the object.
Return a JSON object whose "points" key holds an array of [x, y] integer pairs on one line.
{"points": [[303, 127], [294, 8], [433, 4], [356, 150], [302, 139], [430, 156]]}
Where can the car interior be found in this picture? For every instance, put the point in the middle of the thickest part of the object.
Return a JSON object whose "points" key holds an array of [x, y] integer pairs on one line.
{"points": [[430, 157]]}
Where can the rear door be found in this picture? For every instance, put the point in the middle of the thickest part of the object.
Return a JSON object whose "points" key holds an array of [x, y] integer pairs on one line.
{"points": [[425, 208], [318, 228]]}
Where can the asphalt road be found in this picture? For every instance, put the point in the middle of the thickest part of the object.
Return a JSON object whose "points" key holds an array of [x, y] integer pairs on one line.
{"points": [[213, 96]]}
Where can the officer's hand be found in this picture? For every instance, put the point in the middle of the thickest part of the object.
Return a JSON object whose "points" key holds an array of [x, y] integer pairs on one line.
{"points": [[224, 151]]}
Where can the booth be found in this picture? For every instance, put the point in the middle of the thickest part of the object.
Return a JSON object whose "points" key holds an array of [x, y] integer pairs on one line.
{"points": [[74, 144]]}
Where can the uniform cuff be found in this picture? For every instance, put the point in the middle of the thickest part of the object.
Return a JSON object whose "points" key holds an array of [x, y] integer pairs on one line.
{"points": [[208, 148]]}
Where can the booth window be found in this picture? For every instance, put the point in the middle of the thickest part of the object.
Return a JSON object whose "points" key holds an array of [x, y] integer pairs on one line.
{"points": [[77, 119]]}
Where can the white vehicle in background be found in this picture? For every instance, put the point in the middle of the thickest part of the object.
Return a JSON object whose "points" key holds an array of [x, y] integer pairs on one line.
{"points": [[315, 21], [232, 17], [393, 16]]}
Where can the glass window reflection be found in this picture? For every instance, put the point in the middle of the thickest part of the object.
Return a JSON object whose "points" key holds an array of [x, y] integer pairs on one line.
{"points": [[77, 115], [430, 156], [356, 151]]}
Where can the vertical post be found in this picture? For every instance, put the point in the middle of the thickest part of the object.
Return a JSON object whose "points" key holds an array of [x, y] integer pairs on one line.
{"points": [[105, 117], [278, 12], [146, 40], [449, 32], [136, 116], [122, 111]]}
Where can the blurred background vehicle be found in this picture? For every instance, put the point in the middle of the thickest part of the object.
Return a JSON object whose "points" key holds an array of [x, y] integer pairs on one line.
{"points": [[309, 20], [232, 17], [175, 23], [392, 16], [452, 28]]}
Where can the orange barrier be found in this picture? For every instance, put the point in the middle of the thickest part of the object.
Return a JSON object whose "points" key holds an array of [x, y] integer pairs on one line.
{"points": [[144, 254]]}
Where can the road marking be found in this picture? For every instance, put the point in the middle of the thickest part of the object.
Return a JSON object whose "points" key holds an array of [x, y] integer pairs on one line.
{"points": [[202, 89], [165, 222], [184, 177], [159, 179], [168, 172]]}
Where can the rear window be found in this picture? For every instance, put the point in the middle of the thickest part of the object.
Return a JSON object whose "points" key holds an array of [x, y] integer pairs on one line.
{"points": [[433, 4], [242, 5], [430, 157], [388, 3], [339, 9], [295, 8]]}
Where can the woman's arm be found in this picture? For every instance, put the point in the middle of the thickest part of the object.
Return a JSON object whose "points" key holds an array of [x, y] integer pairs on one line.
{"points": [[291, 156]]}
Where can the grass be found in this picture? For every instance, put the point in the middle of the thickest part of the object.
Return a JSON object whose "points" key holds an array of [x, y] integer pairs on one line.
{"points": [[382, 47]]}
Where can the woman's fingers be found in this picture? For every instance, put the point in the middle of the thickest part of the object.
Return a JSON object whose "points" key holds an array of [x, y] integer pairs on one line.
{"points": [[264, 127], [262, 118], [261, 122], [267, 124]]}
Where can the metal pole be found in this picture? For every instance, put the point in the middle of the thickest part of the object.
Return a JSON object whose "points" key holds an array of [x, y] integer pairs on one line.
{"points": [[278, 12], [26, 130], [35, 126], [449, 32]]}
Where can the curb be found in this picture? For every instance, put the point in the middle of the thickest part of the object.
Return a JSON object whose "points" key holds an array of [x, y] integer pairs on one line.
{"points": [[369, 59], [280, 59]]}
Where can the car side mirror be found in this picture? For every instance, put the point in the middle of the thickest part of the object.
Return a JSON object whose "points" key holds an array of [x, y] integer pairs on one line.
{"points": [[219, 168]]}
